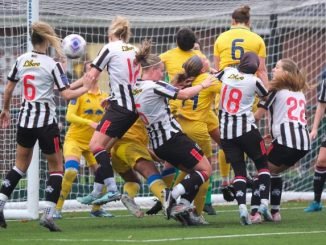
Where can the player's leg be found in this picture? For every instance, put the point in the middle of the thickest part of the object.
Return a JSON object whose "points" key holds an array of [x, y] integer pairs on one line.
{"points": [[235, 155], [72, 151], [114, 125], [49, 141], [187, 156], [257, 152], [319, 180], [26, 139]]}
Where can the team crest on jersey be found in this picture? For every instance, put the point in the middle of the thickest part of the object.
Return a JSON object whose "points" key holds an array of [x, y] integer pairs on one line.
{"points": [[31, 63]]}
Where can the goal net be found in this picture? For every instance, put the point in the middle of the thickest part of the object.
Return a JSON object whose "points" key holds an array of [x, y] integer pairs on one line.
{"points": [[290, 28]]}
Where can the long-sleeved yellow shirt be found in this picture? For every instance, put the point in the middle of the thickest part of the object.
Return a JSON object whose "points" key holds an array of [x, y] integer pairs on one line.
{"points": [[82, 112]]}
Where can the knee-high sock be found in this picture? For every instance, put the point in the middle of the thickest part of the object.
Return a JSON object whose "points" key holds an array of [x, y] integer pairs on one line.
{"points": [[168, 176], [276, 192], [156, 186], [52, 193], [255, 198], [11, 180], [224, 167], [105, 170], [67, 181], [189, 187], [208, 199], [131, 188], [200, 197], [319, 180], [180, 177], [240, 186]]}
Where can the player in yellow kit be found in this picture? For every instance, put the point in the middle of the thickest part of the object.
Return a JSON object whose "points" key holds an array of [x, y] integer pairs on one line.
{"points": [[228, 50], [130, 154], [174, 58], [193, 115], [83, 113]]}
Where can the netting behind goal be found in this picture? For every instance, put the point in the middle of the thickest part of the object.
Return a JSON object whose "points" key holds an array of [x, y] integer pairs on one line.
{"points": [[293, 29]]}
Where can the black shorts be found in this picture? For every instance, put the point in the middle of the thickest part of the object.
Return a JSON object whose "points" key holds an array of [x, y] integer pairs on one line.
{"points": [[250, 143], [323, 144], [116, 121], [48, 137], [180, 150], [283, 155]]}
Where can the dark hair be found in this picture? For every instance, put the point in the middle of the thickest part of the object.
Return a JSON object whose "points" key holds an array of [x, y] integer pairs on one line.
{"points": [[249, 63], [144, 56], [242, 14], [186, 39]]}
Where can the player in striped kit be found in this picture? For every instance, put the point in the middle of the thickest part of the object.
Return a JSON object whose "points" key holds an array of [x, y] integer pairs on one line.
{"points": [[320, 166], [166, 137], [228, 50], [286, 104], [117, 57], [83, 114], [39, 74], [237, 128], [193, 115]]}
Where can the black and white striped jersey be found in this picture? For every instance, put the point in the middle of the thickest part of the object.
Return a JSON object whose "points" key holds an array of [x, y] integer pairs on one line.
{"points": [[236, 101], [288, 123], [118, 57], [39, 75], [322, 94], [151, 98]]}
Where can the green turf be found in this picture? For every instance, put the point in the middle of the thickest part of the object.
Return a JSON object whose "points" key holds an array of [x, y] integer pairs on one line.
{"points": [[296, 228]]}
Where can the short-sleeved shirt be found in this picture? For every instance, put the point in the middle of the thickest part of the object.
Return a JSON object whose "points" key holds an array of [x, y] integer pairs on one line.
{"points": [[39, 74]]}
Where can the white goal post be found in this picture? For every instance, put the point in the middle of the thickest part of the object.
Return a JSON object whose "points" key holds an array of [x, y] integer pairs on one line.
{"points": [[293, 29]]}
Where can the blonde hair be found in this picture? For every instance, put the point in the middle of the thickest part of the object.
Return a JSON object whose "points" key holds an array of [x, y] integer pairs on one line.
{"points": [[41, 32], [292, 79], [120, 27], [145, 58]]}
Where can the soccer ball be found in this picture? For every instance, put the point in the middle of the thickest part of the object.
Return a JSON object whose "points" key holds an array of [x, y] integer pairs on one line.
{"points": [[74, 46]]}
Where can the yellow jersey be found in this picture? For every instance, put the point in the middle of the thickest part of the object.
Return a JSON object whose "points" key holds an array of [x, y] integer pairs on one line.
{"points": [[173, 60], [137, 132], [199, 107], [232, 44], [82, 112]]}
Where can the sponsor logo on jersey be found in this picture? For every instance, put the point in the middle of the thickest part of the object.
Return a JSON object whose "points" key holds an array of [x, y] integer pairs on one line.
{"points": [[136, 91], [127, 48], [236, 77], [31, 63]]}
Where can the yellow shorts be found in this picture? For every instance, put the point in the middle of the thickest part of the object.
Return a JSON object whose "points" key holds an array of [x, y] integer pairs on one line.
{"points": [[125, 153], [211, 121], [74, 148], [198, 132]]}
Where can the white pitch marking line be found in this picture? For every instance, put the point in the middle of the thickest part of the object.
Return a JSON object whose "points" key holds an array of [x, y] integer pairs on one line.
{"points": [[175, 239]]}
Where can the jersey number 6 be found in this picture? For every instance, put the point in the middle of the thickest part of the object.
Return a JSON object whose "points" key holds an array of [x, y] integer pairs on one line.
{"points": [[235, 47], [29, 89]]}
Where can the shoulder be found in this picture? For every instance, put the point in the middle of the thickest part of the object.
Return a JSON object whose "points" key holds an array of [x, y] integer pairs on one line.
{"points": [[168, 53]]}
